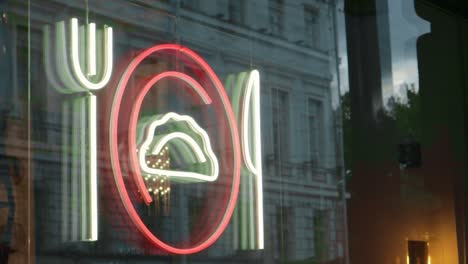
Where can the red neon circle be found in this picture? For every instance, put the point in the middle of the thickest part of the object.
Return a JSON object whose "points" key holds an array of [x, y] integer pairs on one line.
{"points": [[114, 149]]}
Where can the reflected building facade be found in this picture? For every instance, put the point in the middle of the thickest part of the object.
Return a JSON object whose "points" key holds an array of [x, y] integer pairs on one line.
{"points": [[291, 43]]}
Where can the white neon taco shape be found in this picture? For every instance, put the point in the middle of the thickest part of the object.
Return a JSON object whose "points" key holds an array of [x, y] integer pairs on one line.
{"points": [[201, 154]]}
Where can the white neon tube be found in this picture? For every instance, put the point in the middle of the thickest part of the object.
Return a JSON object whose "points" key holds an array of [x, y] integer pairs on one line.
{"points": [[49, 69], [107, 56], [73, 80], [186, 138], [253, 85], [84, 164], [211, 157], [74, 170], [61, 60], [92, 167], [65, 170], [91, 47], [252, 95]]}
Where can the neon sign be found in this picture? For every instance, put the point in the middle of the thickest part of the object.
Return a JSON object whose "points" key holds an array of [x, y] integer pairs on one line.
{"points": [[69, 79], [224, 114], [140, 162], [131, 139], [194, 146], [244, 90]]}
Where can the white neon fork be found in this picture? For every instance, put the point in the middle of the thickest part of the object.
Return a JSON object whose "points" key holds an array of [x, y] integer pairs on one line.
{"points": [[67, 77]]}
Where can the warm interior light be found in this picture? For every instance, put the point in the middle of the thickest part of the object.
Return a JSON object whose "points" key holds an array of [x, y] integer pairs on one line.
{"points": [[159, 185]]}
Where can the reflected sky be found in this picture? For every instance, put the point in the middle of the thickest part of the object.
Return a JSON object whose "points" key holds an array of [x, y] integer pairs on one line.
{"points": [[405, 28]]}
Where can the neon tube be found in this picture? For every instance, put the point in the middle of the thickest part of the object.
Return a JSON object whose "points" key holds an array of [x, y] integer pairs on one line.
{"points": [[253, 227], [65, 170], [84, 164], [108, 59], [186, 138], [72, 77], [62, 60], [229, 86], [91, 47], [252, 96], [75, 167], [252, 87], [68, 77], [114, 149], [244, 212], [49, 69], [137, 162], [245, 98], [179, 174], [247, 234], [92, 167]]}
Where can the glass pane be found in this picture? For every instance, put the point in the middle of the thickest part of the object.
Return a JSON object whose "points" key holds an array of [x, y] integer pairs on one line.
{"points": [[404, 116], [171, 131]]}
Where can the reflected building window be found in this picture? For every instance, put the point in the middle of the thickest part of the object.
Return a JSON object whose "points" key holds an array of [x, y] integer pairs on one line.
{"points": [[312, 26], [276, 16], [320, 234], [285, 228], [236, 10], [315, 133], [280, 112], [192, 5]]}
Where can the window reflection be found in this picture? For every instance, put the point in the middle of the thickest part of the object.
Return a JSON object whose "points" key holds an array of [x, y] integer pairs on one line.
{"points": [[291, 46]]}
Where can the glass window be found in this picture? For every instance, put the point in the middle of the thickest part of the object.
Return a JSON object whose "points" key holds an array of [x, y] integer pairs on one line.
{"points": [[233, 131], [169, 131], [280, 115], [312, 26]]}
